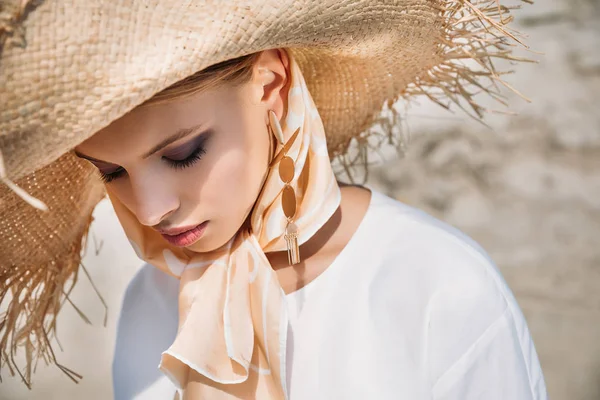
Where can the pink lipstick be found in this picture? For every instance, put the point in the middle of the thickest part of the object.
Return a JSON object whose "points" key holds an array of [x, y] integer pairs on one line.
{"points": [[182, 237]]}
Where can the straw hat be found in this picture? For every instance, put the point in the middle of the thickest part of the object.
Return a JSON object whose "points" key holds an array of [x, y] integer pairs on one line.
{"points": [[68, 68]]}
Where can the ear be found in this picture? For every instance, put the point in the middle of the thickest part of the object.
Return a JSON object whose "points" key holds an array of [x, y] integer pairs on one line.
{"points": [[271, 77]]}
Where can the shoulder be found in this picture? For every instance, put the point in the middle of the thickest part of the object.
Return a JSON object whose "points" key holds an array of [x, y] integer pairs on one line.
{"points": [[412, 258], [150, 299], [440, 257], [451, 281], [150, 283], [147, 326], [151, 294]]}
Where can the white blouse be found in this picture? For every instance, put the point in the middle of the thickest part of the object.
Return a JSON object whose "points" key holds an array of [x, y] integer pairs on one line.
{"points": [[410, 309]]}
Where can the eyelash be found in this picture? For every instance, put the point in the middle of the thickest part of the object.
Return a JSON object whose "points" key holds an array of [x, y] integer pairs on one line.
{"points": [[190, 160]]}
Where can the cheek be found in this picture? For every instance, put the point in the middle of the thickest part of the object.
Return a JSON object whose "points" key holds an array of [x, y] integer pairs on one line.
{"points": [[230, 188], [234, 179], [152, 188]]}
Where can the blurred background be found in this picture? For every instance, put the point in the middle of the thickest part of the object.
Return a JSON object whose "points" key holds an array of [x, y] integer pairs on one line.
{"points": [[527, 188]]}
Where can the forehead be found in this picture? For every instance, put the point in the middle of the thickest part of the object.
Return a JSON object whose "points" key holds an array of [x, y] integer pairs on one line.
{"points": [[148, 124]]}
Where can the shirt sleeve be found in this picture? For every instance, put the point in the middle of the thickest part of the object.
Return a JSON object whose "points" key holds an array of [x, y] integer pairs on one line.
{"points": [[495, 367]]}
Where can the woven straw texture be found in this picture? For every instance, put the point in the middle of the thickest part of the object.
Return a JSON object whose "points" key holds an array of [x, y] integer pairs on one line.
{"points": [[87, 63], [69, 68]]}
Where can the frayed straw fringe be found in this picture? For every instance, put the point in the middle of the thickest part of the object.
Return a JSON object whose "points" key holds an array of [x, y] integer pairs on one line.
{"points": [[475, 31], [32, 201], [37, 296]]}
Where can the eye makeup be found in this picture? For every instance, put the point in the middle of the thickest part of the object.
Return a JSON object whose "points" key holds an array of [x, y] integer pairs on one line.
{"points": [[109, 177], [181, 157], [188, 160]]}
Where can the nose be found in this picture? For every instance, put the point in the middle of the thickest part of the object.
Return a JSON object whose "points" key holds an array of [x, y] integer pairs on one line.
{"points": [[152, 201]]}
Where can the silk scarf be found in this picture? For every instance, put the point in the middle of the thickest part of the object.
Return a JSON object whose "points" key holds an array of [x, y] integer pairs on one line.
{"points": [[231, 339]]}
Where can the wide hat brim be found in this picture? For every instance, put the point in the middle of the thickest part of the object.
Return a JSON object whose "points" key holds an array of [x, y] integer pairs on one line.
{"points": [[70, 68]]}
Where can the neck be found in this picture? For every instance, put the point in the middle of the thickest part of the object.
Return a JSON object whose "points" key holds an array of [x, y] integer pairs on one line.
{"points": [[320, 250]]}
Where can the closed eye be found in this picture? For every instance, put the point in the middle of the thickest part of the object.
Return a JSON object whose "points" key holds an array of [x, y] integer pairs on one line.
{"points": [[109, 177], [173, 161], [188, 161]]}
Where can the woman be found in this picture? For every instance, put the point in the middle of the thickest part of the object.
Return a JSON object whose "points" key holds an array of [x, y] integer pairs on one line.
{"points": [[285, 283]]}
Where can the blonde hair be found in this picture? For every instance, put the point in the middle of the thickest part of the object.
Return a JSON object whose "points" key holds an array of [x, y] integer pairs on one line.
{"points": [[234, 72]]}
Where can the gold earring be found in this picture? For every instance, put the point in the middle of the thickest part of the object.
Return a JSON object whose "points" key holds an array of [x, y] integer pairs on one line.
{"points": [[288, 199], [275, 127]]}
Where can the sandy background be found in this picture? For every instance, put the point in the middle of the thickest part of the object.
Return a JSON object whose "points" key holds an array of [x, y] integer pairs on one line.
{"points": [[528, 190]]}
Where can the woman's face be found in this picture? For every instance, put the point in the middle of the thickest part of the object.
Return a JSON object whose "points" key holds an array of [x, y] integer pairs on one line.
{"points": [[195, 160]]}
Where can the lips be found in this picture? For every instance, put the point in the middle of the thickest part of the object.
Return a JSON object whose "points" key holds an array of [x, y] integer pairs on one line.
{"points": [[185, 236]]}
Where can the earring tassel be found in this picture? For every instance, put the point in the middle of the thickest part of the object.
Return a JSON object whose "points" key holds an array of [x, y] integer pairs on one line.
{"points": [[291, 238]]}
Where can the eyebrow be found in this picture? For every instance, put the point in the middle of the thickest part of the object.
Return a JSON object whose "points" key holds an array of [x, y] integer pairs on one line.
{"points": [[180, 134]]}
